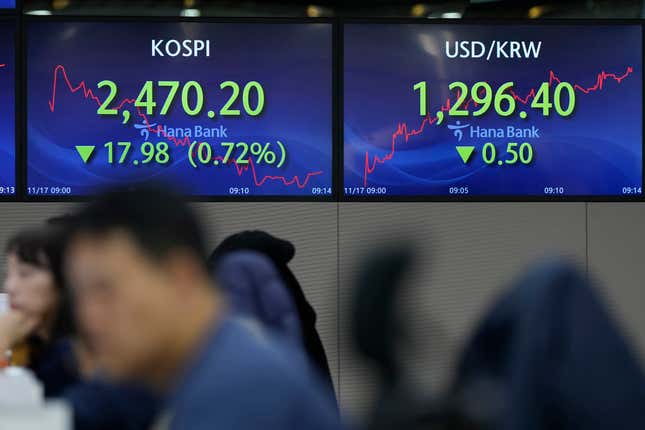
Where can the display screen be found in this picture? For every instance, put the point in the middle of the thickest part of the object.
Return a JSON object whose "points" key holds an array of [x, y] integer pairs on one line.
{"points": [[7, 109], [214, 109], [7, 4], [492, 110]]}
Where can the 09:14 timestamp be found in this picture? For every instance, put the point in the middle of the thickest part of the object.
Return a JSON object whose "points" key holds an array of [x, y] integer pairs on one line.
{"points": [[632, 190]]}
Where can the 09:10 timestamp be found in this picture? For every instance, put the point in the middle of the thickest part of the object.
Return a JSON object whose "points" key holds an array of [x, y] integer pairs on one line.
{"points": [[239, 191], [554, 190]]}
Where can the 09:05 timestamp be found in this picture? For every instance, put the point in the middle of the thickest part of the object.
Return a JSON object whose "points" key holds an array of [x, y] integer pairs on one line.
{"points": [[458, 190]]}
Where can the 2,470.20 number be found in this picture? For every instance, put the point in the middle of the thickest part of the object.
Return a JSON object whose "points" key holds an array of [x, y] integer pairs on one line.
{"points": [[192, 98]]}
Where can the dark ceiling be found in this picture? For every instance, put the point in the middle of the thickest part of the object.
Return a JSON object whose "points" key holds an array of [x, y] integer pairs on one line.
{"points": [[355, 8]]}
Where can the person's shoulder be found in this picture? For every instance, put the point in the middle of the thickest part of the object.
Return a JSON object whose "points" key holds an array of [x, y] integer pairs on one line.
{"points": [[55, 365], [247, 377], [243, 352]]}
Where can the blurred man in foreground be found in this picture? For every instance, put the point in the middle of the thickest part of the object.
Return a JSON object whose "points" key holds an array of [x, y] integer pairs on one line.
{"points": [[145, 300]]}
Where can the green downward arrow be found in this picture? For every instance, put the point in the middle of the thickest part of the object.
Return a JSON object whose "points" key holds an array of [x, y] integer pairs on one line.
{"points": [[85, 151], [465, 152]]}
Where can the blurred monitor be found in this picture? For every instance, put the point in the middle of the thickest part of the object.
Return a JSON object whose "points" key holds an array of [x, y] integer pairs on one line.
{"points": [[7, 108]]}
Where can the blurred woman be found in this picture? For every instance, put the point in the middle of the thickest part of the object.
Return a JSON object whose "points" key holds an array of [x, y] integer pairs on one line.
{"points": [[39, 328], [38, 323]]}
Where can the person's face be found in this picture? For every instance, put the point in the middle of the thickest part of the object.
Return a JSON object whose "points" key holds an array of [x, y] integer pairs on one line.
{"points": [[31, 288], [124, 303]]}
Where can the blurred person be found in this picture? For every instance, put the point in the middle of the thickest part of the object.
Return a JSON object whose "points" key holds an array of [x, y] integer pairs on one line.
{"points": [[269, 291], [257, 294], [39, 314], [144, 296], [547, 356], [260, 298], [380, 335], [40, 320]]}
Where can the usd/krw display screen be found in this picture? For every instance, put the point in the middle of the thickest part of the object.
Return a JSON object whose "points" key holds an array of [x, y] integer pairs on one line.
{"points": [[7, 109], [492, 110], [215, 109]]}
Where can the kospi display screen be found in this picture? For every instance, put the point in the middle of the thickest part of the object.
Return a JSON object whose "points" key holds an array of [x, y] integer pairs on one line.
{"points": [[438, 110], [7, 109], [214, 109]]}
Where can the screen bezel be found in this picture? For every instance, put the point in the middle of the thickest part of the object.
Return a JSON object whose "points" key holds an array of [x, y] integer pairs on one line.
{"points": [[23, 173], [337, 46], [11, 10], [17, 88], [478, 198]]}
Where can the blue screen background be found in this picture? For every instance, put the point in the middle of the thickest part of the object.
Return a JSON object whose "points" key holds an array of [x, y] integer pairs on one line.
{"points": [[6, 4], [293, 62], [596, 151], [7, 109]]}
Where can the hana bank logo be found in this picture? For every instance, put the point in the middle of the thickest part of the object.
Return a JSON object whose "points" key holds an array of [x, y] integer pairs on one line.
{"points": [[457, 130], [145, 128]]}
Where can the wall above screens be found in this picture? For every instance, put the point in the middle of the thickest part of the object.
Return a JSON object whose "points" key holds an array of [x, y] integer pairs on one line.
{"points": [[243, 109], [217, 109], [7, 108], [493, 111]]}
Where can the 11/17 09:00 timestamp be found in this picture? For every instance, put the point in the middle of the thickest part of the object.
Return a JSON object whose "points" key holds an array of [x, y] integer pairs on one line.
{"points": [[49, 191]]}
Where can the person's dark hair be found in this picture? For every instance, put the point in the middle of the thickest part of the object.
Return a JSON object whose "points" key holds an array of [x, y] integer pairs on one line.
{"points": [[29, 246], [64, 221], [43, 248], [158, 220], [280, 251]]}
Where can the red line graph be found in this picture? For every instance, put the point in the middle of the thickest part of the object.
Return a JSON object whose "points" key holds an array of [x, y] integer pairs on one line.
{"points": [[240, 169], [407, 133]]}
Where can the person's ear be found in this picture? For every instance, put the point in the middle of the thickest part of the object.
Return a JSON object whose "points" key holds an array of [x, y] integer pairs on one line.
{"points": [[185, 270]]}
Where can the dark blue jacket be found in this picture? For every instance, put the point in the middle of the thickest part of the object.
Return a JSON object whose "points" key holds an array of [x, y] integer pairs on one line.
{"points": [[257, 292], [279, 253], [549, 357], [96, 404]]}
